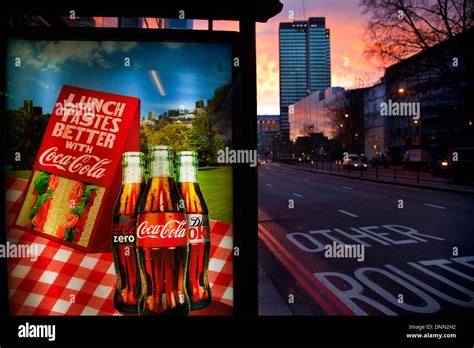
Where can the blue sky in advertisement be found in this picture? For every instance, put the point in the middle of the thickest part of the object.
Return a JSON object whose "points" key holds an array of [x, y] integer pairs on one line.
{"points": [[164, 75]]}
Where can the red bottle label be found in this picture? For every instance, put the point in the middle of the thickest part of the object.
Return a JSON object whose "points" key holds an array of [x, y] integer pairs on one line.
{"points": [[198, 228], [162, 230]]}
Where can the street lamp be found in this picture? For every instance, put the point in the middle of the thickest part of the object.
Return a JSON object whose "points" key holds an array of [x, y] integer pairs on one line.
{"points": [[346, 115], [341, 125], [401, 90]]}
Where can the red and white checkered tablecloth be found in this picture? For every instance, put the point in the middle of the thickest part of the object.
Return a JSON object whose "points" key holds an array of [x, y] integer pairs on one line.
{"points": [[65, 281]]}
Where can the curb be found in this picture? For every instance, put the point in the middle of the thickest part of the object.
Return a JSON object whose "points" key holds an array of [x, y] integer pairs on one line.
{"points": [[396, 183]]}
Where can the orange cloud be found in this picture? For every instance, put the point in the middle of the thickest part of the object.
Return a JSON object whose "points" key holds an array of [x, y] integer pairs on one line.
{"points": [[349, 67]]}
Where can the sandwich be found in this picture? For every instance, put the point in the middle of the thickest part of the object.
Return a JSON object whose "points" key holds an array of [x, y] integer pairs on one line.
{"points": [[43, 192], [81, 200], [61, 207]]}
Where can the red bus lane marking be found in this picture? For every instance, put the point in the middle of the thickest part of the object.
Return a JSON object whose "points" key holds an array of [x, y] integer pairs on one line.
{"points": [[328, 301]]}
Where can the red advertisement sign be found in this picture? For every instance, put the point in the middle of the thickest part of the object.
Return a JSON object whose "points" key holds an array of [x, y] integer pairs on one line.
{"points": [[75, 182]]}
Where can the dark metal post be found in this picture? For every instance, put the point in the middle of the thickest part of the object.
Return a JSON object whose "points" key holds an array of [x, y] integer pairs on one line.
{"points": [[247, 276]]}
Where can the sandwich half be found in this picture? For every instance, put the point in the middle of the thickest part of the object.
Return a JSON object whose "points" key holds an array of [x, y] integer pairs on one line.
{"points": [[82, 198], [61, 207], [35, 210]]}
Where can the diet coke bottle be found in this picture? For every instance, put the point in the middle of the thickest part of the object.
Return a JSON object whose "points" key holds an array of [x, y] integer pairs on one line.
{"points": [[127, 290], [162, 240], [197, 281]]}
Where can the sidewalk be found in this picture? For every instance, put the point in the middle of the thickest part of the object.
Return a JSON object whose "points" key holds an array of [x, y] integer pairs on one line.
{"points": [[436, 183], [270, 302]]}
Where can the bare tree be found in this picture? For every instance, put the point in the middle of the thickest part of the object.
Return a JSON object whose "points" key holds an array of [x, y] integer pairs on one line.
{"points": [[397, 29]]}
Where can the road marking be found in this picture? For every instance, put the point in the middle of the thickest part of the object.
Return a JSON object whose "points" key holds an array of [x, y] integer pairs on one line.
{"points": [[297, 195], [331, 304], [347, 213], [347, 187], [435, 206], [269, 185]]}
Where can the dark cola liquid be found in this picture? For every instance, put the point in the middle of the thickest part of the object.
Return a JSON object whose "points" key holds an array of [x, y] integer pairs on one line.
{"points": [[128, 287], [197, 281], [162, 269]]}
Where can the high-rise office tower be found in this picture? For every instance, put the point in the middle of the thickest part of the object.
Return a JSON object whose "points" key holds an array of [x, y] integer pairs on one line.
{"points": [[305, 63]]}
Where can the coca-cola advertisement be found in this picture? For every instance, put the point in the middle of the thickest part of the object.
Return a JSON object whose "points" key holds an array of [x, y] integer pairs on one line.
{"points": [[73, 187], [120, 184]]}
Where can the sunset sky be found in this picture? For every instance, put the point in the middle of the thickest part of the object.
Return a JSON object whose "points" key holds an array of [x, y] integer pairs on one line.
{"points": [[345, 20]]}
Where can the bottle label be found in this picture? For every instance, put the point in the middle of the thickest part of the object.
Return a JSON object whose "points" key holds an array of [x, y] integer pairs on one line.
{"points": [[124, 231], [162, 230], [198, 228]]}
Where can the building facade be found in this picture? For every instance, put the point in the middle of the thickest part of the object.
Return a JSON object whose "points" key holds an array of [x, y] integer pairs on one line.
{"points": [[439, 83], [313, 115], [305, 63], [268, 132], [375, 142]]}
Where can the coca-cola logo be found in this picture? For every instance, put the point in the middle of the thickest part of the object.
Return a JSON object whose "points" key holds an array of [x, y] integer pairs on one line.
{"points": [[127, 228], [86, 164], [172, 229]]}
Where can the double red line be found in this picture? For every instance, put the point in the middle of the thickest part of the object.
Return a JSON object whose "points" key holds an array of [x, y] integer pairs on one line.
{"points": [[331, 304]]}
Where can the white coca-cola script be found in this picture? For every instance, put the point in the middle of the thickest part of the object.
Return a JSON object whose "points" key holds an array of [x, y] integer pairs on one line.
{"points": [[171, 229], [86, 164]]}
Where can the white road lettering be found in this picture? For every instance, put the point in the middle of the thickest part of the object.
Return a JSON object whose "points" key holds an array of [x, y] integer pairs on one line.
{"points": [[361, 235], [429, 288], [410, 232], [442, 279], [318, 245], [347, 296], [349, 289], [431, 305]]}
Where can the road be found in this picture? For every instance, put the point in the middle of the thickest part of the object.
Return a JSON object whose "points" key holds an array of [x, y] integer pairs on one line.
{"points": [[338, 246]]}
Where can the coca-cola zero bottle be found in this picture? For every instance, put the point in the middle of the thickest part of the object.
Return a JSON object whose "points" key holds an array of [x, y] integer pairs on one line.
{"points": [[127, 290], [162, 240], [197, 281]]}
